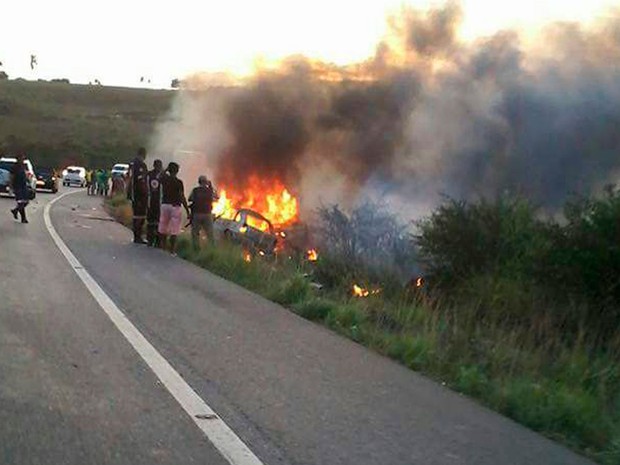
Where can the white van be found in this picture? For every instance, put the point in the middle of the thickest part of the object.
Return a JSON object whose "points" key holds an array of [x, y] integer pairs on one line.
{"points": [[120, 170], [74, 176]]}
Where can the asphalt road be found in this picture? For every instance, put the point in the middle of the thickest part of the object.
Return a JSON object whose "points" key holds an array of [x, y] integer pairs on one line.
{"points": [[73, 391]]}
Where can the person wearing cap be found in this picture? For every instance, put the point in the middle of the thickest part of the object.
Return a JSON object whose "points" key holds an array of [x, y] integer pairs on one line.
{"points": [[201, 204]]}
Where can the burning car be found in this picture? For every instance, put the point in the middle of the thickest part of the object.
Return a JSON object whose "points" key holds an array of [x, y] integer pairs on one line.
{"points": [[248, 228]]}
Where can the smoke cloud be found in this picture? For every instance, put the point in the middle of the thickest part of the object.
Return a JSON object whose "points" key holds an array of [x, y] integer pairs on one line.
{"points": [[426, 115]]}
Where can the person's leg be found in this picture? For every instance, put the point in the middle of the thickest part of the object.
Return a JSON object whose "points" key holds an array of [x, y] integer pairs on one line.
{"points": [[15, 210], [209, 230], [151, 227], [139, 215], [197, 227], [174, 227], [164, 218], [195, 234], [22, 211]]}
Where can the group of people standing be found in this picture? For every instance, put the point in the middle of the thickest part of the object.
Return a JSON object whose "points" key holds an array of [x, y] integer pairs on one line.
{"points": [[97, 182], [157, 197]]}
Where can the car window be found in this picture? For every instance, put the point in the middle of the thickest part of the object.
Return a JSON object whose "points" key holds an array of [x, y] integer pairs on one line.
{"points": [[257, 223], [6, 165]]}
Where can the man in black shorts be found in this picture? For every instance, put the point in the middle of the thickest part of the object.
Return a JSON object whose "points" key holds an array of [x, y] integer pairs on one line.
{"points": [[139, 194]]}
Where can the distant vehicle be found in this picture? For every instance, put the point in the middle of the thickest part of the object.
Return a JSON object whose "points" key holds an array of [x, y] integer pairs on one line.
{"points": [[250, 229], [46, 179], [74, 176], [120, 169], [6, 166]]}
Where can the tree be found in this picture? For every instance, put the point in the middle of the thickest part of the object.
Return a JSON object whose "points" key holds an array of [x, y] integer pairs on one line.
{"points": [[3, 76]]}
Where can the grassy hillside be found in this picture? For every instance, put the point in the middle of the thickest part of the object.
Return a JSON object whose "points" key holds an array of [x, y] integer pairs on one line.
{"points": [[58, 124]]}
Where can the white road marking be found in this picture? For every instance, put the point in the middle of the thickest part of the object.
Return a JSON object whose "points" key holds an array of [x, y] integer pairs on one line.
{"points": [[217, 431]]}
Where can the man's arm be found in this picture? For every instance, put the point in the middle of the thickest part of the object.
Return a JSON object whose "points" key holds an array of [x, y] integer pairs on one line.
{"points": [[183, 200], [129, 183], [216, 196]]}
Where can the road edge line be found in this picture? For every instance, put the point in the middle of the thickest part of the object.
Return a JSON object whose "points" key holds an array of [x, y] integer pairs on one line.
{"points": [[223, 438]]}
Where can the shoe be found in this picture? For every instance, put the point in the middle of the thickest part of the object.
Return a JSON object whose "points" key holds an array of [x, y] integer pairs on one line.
{"points": [[139, 241], [24, 221], [14, 211]]}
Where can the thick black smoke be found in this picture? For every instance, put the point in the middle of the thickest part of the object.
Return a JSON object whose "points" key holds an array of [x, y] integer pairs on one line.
{"points": [[426, 115]]}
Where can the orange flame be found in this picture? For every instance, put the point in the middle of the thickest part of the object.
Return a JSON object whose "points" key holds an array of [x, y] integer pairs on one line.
{"points": [[360, 291], [419, 282], [269, 198], [312, 255], [247, 257]]}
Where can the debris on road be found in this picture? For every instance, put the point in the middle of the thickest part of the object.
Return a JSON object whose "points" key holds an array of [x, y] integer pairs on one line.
{"points": [[207, 416]]}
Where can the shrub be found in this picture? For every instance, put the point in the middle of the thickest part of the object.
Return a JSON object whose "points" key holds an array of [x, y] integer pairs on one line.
{"points": [[369, 241], [315, 309], [521, 269], [462, 239], [293, 290]]}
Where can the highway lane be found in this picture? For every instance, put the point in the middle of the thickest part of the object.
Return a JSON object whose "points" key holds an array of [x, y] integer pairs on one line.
{"points": [[293, 391], [72, 391]]}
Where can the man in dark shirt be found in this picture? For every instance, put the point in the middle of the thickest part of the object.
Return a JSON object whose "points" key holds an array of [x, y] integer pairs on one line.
{"points": [[138, 193], [201, 203], [19, 183], [152, 215], [172, 197]]}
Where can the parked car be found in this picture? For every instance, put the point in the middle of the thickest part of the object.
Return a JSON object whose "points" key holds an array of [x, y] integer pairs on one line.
{"points": [[46, 179], [120, 170], [74, 176], [6, 165], [250, 229]]}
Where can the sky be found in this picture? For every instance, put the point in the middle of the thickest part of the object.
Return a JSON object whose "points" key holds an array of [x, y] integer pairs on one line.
{"points": [[120, 41]]}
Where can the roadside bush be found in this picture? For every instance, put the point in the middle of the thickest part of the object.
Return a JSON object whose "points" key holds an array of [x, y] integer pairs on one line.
{"points": [[585, 259], [291, 291], [520, 269], [315, 309], [462, 239], [368, 246]]}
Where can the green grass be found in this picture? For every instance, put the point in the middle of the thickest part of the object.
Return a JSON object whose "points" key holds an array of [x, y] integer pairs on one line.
{"points": [[566, 388], [58, 124]]}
